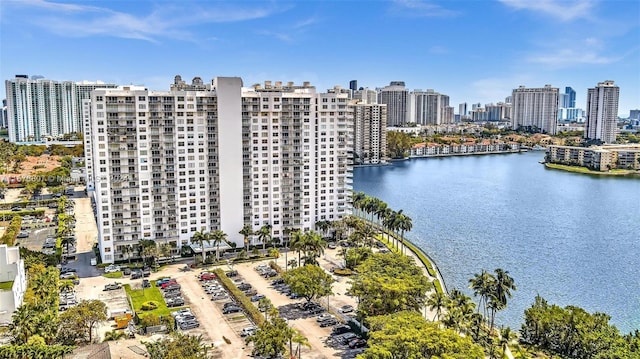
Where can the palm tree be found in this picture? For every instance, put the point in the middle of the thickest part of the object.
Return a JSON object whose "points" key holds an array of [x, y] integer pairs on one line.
{"points": [[264, 235], [246, 231], [165, 250], [437, 301], [389, 223], [357, 198], [323, 226], [128, 251], [314, 246], [502, 288], [297, 242], [200, 238], [482, 285], [275, 253], [380, 210], [218, 237], [113, 335], [506, 337], [403, 223], [300, 340]]}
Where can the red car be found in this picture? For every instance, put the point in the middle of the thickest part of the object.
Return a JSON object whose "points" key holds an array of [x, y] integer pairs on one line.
{"points": [[207, 276], [166, 284]]}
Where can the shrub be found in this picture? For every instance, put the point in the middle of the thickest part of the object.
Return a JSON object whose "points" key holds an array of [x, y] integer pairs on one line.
{"points": [[437, 286], [226, 340], [10, 234], [150, 305], [343, 271], [149, 320], [275, 267]]}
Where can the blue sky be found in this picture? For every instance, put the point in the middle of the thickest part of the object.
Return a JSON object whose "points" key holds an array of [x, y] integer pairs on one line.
{"points": [[473, 51]]}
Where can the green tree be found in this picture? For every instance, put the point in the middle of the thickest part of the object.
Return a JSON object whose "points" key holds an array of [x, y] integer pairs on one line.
{"points": [[271, 339], [83, 318], [264, 235], [178, 345], [218, 237], [309, 281], [246, 231], [200, 238], [388, 283], [437, 301], [407, 335]]}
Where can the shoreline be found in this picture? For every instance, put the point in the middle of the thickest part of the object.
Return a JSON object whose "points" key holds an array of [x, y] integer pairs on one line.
{"points": [[587, 171]]}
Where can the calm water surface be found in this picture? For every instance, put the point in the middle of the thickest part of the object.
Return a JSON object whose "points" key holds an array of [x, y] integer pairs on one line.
{"points": [[574, 239]]}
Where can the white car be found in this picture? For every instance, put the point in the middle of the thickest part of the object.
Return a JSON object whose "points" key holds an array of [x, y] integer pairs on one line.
{"points": [[111, 269], [323, 317], [248, 331]]}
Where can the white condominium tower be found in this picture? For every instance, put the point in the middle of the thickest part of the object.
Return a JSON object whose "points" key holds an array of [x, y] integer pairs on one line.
{"points": [[168, 164], [39, 108], [370, 135], [602, 112], [396, 97], [535, 109], [429, 108]]}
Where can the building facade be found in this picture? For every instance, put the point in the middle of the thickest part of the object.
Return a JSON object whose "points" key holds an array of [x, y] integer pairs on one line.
{"points": [[599, 158], [166, 164], [39, 108], [535, 109], [429, 108], [396, 97], [602, 112], [370, 133], [11, 270]]}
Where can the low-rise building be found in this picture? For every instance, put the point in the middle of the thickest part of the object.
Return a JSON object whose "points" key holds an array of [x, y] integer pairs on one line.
{"points": [[599, 158], [13, 281]]}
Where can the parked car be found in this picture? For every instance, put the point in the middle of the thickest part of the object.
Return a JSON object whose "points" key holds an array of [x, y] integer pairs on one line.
{"points": [[328, 323], [332, 245], [248, 331], [136, 274], [207, 276], [357, 343], [323, 317], [23, 234], [231, 309], [257, 297], [126, 271], [112, 286], [346, 309], [112, 269], [244, 286], [70, 275], [146, 271], [346, 338], [175, 302], [340, 329], [146, 283], [232, 273]]}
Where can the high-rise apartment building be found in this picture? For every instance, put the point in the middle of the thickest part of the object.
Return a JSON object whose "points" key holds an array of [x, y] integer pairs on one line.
{"points": [[463, 110], [39, 108], [166, 164], [634, 114], [396, 97], [429, 108], [353, 85], [366, 96], [570, 98], [602, 112], [535, 109], [370, 133], [3, 115]]}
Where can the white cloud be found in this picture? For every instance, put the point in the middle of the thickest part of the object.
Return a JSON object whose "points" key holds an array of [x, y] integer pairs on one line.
{"points": [[168, 20], [496, 89], [589, 51], [420, 8], [562, 9]]}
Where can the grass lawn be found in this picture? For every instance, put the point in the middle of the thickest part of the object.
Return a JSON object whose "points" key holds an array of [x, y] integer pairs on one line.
{"points": [[113, 275], [139, 296], [6, 285], [579, 169]]}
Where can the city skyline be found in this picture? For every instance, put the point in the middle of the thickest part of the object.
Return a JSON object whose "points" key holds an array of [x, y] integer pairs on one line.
{"points": [[445, 46]]}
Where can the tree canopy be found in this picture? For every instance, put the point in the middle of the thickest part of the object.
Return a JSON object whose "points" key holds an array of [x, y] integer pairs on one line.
{"points": [[407, 335], [388, 283], [309, 281]]}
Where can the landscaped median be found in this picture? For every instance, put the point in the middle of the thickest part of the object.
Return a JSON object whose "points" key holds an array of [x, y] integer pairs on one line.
{"points": [[240, 297]]}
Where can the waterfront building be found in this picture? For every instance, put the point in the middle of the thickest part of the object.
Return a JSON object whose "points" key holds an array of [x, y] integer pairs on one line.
{"points": [[535, 109], [602, 112], [429, 108], [38, 108], [11, 271], [370, 133], [599, 158], [396, 97], [166, 164]]}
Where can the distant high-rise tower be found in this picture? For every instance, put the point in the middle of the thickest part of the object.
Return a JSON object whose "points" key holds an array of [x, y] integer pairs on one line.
{"points": [[570, 98], [602, 112], [429, 108], [535, 109], [37, 107], [3, 115], [396, 97], [463, 110], [353, 85], [370, 133]]}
